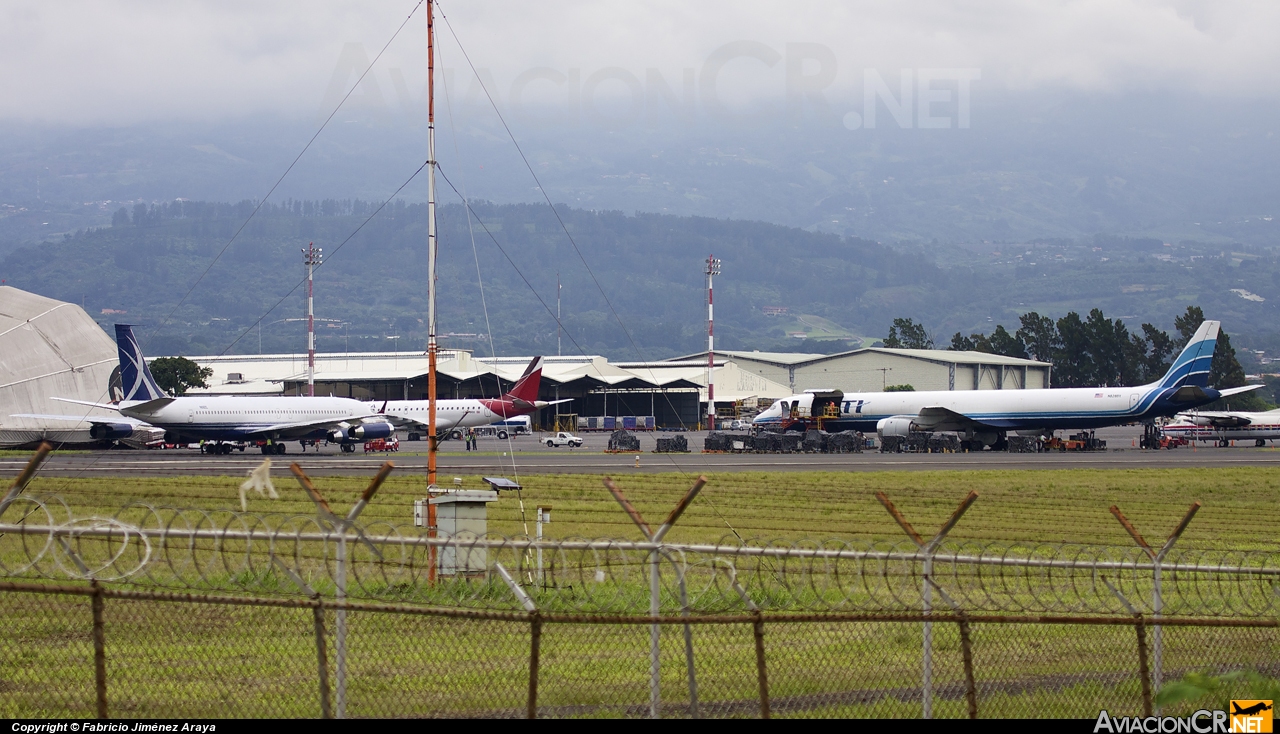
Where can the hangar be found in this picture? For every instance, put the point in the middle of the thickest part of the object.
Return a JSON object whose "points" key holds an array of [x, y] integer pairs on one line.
{"points": [[874, 368], [673, 392], [50, 348]]}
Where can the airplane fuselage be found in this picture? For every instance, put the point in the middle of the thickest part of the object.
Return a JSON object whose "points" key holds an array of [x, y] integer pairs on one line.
{"points": [[1030, 409], [235, 418], [451, 414]]}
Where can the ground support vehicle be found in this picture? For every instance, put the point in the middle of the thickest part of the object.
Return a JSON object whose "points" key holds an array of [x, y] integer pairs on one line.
{"points": [[384, 445], [563, 438], [221, 447]]}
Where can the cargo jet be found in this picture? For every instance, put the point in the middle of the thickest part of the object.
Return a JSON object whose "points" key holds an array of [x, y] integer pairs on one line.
{"points": [[270, 419], [984, 417], [521, 399]]}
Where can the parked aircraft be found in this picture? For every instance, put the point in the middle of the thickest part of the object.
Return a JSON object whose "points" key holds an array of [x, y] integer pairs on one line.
{"points": [[1226, 426], [984, 417], [521, 399], [273, 419]]}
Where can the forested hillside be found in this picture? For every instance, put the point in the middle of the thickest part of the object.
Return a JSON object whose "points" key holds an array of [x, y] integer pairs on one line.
{"points": [[373, 285]]}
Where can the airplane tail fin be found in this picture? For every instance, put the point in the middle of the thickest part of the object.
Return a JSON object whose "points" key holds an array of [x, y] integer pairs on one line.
{"points": [[1192, 366], [526, 388], [135, 375]]}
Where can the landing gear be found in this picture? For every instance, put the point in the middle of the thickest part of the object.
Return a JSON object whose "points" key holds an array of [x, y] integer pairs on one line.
{"points": [[348, 448], [415, 437], [1261, 442], [1224, 443]]}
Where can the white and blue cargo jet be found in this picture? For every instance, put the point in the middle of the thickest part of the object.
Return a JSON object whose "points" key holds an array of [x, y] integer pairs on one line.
{"points": [[268, 419], [984, 417]]}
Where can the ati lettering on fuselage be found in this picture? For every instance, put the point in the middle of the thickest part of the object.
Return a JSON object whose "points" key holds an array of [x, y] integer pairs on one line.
{"points": [[852, 407]]}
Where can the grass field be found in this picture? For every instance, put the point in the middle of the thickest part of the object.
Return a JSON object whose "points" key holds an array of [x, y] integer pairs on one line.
{"points": [[185, 660], [1068, 506]]}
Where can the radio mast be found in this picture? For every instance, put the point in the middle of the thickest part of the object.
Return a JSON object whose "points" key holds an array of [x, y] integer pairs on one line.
{"points": [[713, 269]]}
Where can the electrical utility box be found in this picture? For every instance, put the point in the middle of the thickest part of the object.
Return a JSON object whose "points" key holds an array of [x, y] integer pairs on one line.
{"points": [[462, 517]]}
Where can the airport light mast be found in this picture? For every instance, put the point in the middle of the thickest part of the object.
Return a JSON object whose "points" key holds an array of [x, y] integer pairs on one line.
{"points": [[713, 269], [311, 256], [431, 258]]}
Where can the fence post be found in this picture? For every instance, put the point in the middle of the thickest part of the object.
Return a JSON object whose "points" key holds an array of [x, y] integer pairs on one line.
{"points": [[926, 596], [1157, 591], [966, 651], [99, 651], [1143, 669], [535, 656], [655, 580], [341, 526], [762, 673], [317, 619], [322, 659]]}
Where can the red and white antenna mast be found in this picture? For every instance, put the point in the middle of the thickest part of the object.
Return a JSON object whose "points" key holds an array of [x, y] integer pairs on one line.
{"points": [[713, 269], [431, 255], [311, 256]]}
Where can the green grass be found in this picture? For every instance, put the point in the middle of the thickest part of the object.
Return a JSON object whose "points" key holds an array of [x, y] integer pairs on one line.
{"points": [[1062, 506], [205, 660]]}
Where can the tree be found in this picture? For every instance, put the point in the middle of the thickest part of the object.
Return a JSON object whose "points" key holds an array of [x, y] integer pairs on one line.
{"points": [[900, 388], [962, 343], [1160, 349], [1039, 335], [1226, 370], [176, 375], [1006, 344], [907, 334]]}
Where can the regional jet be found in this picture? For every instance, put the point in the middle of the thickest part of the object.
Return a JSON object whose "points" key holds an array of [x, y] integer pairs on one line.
{"points": [[521, 399], [984, 417], [269, 419]]}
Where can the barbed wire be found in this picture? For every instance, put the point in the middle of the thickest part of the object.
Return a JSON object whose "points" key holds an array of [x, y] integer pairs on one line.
{"points": [[223, 550]]}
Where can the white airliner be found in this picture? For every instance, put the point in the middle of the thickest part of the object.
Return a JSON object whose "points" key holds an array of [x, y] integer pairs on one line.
{"points": [[521, 399], [984, 417], [1226, 426], [270, 419]]}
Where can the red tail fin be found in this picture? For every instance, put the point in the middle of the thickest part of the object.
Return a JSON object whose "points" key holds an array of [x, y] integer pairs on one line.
{"points": [[527, 388]]}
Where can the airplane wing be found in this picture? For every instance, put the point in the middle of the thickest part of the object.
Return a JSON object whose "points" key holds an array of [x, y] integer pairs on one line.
{"points": [[1218, 419], [326, 423], [145, 407], [416, 421], [945, 419], [104, 406], [83, 418]]}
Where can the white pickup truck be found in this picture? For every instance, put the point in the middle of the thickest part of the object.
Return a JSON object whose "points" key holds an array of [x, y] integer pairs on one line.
{"points": [[563, 438]]}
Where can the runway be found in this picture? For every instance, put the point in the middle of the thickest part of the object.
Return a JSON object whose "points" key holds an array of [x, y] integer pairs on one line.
{"points": [[524, 455]]}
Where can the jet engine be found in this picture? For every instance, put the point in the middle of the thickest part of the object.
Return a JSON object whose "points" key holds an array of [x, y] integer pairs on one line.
{"points": [[896, 425], [110, 431], [366, 431]]}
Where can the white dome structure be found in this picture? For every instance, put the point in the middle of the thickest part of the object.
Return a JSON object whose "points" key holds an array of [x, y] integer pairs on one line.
{"points": [[50, 349]]}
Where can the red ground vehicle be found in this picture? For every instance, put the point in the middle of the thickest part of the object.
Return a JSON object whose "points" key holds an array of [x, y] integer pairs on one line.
{"points": [[382, 444]]}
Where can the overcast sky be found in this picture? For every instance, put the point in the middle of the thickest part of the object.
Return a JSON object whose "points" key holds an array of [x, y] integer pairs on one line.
{"points": [[121, 61]]}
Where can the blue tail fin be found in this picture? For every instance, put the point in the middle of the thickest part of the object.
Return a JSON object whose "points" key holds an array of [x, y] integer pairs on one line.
{"points": [[1192, 366], [135, 375]]}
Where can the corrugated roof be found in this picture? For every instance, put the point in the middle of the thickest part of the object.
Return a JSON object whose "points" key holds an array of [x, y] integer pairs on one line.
{"points": [[944, 356]]}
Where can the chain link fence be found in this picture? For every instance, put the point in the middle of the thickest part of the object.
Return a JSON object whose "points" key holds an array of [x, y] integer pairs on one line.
{"points": [[87, 650], [182, 612]]}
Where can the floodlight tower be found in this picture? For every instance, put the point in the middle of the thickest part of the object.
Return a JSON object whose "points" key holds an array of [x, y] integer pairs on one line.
{"points": [[713, 269], [311, 256]]}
